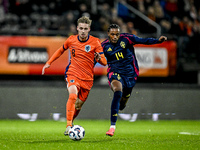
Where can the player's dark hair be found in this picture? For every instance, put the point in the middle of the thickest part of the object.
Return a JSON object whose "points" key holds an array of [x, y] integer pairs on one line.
{"points": [[115, 26]]}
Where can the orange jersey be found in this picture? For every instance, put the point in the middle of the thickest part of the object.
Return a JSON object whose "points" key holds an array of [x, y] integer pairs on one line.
{"points": [[81, 63]]}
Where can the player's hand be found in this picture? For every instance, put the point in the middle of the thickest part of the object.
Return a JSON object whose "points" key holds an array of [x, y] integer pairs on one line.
{"points": [[97, 56], [43, 69], [162, 39]]}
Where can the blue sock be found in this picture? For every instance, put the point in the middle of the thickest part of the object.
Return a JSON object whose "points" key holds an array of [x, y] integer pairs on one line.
{"points": [[115, 106]]}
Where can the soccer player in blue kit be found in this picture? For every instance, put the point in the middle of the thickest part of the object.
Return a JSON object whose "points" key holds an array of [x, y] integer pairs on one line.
{"points": [[123, 68]]}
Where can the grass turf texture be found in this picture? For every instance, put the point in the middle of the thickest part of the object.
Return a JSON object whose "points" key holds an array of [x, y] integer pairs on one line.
{"points": [[141, 135]]}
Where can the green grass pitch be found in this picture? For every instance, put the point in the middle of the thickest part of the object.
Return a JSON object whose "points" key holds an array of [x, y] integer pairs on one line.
{"points": [[139, 135]]}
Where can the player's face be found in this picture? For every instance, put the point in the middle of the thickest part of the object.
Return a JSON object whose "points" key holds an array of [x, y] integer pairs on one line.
{"points": [[114, 35], [83, 30]]}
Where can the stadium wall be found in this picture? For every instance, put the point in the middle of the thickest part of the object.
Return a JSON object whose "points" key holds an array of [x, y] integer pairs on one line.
{"points": [[47, 101], [26, 55]]}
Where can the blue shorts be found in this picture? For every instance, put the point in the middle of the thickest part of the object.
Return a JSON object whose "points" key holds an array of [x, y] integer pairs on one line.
{"points": [[127, 82]]}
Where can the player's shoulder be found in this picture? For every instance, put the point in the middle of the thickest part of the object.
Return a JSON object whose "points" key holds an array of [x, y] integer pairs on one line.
{"points": [[93, 38], [72, 37], [126, 35], [105, 42], [94, 41]]}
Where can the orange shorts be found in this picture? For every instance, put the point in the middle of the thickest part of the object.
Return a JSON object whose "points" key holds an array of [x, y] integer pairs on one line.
{"points": [[83, 86]]}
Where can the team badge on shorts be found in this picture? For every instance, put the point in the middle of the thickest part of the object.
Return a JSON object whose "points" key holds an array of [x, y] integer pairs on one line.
{"points": [[72, 81], [118, 77], [87, 48]]}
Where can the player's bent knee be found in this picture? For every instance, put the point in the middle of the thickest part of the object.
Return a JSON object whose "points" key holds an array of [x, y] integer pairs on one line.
{"points": [[78, 108], [78, 104], [115, 89]]}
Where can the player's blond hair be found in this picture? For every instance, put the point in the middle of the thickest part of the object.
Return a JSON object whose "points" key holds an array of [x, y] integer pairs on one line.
{"points": [[84, 19]]}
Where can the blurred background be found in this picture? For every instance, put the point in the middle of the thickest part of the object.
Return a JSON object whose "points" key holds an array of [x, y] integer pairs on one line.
{"points": [[32, 30]]}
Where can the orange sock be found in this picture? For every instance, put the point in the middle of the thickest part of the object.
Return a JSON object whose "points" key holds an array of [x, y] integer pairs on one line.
{"points": [[70, 108], [69, 123]]}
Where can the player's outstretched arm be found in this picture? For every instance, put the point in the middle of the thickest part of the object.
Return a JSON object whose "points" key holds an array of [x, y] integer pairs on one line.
{"points": [[162, 39], [56, 55], [100, 58], [45, 66]]}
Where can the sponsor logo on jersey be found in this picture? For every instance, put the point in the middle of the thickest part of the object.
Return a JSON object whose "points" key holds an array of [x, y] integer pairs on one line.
{"points": [[87, 48], [109, 50], [122, 44], [27, 55]]}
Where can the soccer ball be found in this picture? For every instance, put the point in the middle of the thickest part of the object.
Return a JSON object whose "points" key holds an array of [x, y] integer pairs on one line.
{"points": [[76, 133]]}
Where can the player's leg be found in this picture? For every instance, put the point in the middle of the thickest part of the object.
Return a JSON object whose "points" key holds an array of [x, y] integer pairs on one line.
{"points": [[73, 88], [82, 96], [125, 97], [70, 106], [129, 83], [78, 105], [116, 86]]}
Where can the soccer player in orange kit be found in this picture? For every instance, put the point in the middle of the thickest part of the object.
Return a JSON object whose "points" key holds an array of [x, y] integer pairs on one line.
{"points": [[84, 50]]}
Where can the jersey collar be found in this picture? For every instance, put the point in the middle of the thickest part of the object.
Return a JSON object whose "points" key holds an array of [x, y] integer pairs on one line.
{"points": [[83, 41]]}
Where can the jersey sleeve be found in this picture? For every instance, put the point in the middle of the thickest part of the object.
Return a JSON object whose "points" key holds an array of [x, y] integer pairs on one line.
{"points": [[58, 52], [99, 49], [103, 60], [133, 39]]}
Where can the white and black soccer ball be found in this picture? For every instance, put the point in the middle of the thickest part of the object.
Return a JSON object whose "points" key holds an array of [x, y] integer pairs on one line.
{"points": [[76, 133]]}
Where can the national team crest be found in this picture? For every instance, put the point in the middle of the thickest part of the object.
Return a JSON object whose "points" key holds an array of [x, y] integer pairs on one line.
{"points": [[87, 48], [122, 44], [72, 81]]}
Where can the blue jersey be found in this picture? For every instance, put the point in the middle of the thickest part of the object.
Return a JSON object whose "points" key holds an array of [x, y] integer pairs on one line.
{"points": [[121, 57]]}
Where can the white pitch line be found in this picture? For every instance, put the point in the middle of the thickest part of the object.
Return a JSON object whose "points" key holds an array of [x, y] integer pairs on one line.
{"points": [[188, 133]]}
